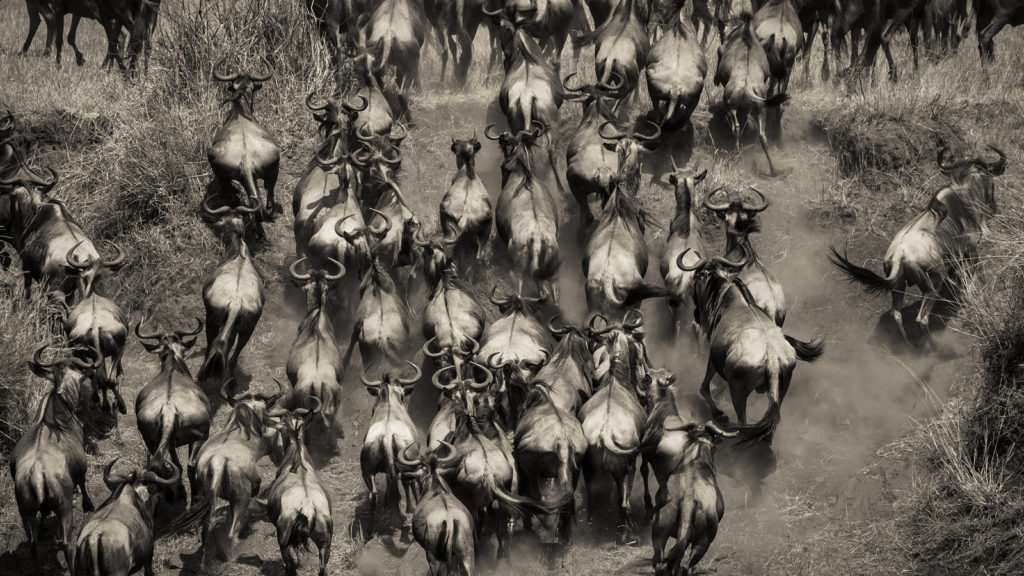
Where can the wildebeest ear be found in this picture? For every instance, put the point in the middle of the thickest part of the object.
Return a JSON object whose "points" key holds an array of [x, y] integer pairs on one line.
{"points": [[373, 391], [700, 177], [476, 145], [610, 147], [673, 180], [188, 343]]}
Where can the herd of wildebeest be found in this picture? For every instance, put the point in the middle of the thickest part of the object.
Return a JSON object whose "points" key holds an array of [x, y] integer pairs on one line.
{"points": [[526, 405]]}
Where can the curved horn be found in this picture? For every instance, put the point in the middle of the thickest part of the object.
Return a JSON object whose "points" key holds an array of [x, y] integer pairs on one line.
{"points": [[154, 478], [417, 239], [740, 264], [337, 275], [494, 365], [758, 208], [494, 298], [557, 331], [487, 132], [370, 383], [73, 261], [293, 271], [700, 262], [246, 209], [638, 322], [107, 477], [607, 327], [451, 458], [141, 336], [491, 13], [475, 348], [393, 160], [46, 186], [315, 107], [198, 328], [616, 136], [309, 412], [647, 138], [329, 163], [405, 460], [363, 132], [352, 108], [715, 207], [267, 74], [417, 373], [224, 391], [270, 400], [398, 139], [37, 357], [218, 76], [437, 379], [383, 231], [711, 425], [428, 352], [81, 365], [488, 376], [999, 166], [115, 262], [214, 211], [565, 84]]}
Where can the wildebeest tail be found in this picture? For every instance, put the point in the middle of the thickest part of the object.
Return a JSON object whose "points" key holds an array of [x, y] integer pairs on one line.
{"points": [[217, 351], [249, 183], [643, 292], [673, 105], [764, 429], [446, 540], [296, 532], [566, 471], [776, 100], [389, 456], [807, 351], [524, 507], [686, 528], [873, 283]]}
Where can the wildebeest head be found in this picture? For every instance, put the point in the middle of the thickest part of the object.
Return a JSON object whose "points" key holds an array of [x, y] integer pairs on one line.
{"points": [[393, 386], [517, 148], [170, 347], [153, 480], [241, 87], [436, 260], [464, 388], [231, 219], [959, 169], [68, 375], [711, 275], [623, 341], [429, 468], [86, 268], [333, 115], [739, 214], [465, 150], [512, 379], [700, 449]]}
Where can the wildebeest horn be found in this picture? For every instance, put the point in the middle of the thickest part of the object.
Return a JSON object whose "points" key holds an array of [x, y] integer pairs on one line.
{"points": [[417, 373], [363, 132], [647, 138], [198, 328], [269, 400], [618, 135], [140, 335], [700, 262], [437, 379], [224, 391], [487, 132], [315, 107], [499, 302], [110, 479], [338, 227], [638, 322], [393, 160], [329, 163], [557, 331], [214, 211], [309, 412], [152, 477], [383, 231], [565, 84], [37, 357], [417, 239], [337, 275], [593, 321], [82, 365], [451, 458], [488, 376], [293, 271], [115, 262], [218, 76], [999, 166], [495, 365], [715, 207], [370, 383], [73, 261], [406, 460], [730, 263], [762, 206], [712, 426], [246, 209], [352, 108], [428, 352], [491, 13], [267, 73]]}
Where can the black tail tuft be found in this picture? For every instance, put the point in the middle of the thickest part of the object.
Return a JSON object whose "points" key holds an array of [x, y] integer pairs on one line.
{"points": [[807, 351], [873, 283]]}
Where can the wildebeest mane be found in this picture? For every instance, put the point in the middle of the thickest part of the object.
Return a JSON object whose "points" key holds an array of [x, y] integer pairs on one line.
{"points": [[573, 348], [246, 420]]}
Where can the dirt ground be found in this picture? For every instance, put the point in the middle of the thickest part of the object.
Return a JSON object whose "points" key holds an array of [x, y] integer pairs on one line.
{"points": [[824, 476]]}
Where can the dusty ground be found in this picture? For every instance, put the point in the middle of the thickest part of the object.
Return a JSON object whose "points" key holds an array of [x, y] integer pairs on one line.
{"points": [[828, 488]]}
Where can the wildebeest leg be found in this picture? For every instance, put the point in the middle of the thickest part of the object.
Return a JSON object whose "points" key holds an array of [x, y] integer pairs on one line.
{"points": [[734, 123], [645, 469], [72, 39], [324, 550], [705, 392], [704, 539], [410, 508], [444, 47], [929, 296], [986, 46], [739, 394], [33, 25], [87, 505], [274, 208], [58, 37], [897, 304], [67, 522], [764, 140], [809, 43], [147, 566], [371, 485], [625, 486], [289, 555], [588, 479], [824, 54], [30, 522], [241, 339]]}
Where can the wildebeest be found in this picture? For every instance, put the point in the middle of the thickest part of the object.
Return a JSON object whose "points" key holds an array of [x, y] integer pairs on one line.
{"points": [[591, 161], [118, 538], [96, 324], [453, 321], [569, 372], [226, 463], [457, 395], [944, 24], [48, 461], [516, 336], [778, 27], [466, 213], [919, 254], [171, 410], [389, 433], [314, 361], [613, 422], [441, 524], [621, 47], [381, 325], [740, 220], [297, 504], [747, 349], [615, 258], [549, 21], [526, 215], [243, 151], [684, 233], [455, 23], [743, 71], [394, 35], [335, 20], [692, 516], [233, 297], [676, 68], [992, 17], [53, 12]]}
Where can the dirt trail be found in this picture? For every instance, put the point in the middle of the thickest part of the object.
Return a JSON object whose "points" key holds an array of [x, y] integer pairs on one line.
{"points": [[838, 413]]}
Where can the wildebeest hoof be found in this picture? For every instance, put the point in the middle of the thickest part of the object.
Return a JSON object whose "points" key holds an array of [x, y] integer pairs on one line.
{"points": [[80, 60], [121, 407]]}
